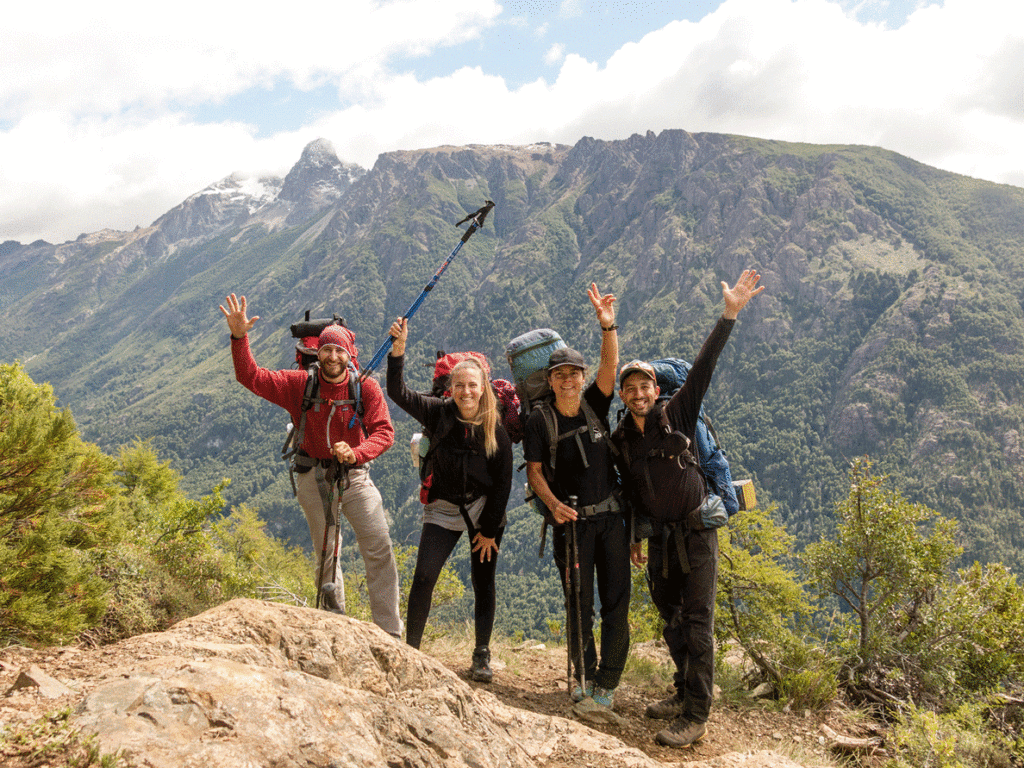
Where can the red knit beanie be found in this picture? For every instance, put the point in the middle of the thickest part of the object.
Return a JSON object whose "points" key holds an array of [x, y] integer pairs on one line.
{"points": [[340, 336]]}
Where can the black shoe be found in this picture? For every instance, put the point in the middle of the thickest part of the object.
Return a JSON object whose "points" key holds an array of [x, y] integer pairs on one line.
{"points": [[666, 709], [481, 669], [329, 599], [682, 733]]}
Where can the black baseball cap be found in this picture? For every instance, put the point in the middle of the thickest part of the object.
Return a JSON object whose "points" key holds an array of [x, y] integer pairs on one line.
{"points": [[566, 356]]}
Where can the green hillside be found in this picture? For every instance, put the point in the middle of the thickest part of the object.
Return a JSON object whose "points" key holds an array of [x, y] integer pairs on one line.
{"points": [[891, 326]]}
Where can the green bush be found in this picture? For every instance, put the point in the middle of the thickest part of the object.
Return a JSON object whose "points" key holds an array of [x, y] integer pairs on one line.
{"points": [[925, 739], [887, 562], [762, 605], [59, 511]]}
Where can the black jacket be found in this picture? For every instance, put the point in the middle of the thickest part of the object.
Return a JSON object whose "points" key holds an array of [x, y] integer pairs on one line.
{"points": [[662, 479], [461, 469]]}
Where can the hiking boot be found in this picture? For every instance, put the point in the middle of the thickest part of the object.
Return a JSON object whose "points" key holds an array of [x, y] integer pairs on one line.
{"points": [[481, 669], [330, 599], [682, 733], [603, 696], [666, 709], [579, 693]]}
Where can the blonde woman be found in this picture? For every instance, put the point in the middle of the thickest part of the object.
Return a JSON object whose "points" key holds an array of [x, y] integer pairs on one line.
{"points": [[470, 465]]}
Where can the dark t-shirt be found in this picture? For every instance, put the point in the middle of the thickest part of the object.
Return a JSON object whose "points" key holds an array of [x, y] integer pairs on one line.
{"points": [[590, 484]]}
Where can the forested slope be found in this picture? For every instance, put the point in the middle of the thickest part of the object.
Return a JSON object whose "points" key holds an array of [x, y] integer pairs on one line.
{"points": [[891, 326]]}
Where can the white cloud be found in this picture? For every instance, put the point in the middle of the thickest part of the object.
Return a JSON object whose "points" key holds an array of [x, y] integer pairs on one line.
{"points": [[94, 129], [943, 88], [103, 56], [554, 54]]}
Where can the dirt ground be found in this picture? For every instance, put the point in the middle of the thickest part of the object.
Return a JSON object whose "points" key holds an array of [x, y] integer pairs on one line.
{"points": [[532, 677]]}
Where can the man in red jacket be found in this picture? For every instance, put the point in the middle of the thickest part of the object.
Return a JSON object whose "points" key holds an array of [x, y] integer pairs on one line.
{"points": [[332, 433]]}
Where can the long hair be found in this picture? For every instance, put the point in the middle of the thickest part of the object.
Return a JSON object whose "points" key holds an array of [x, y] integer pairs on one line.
{"points": [[487, 411]]}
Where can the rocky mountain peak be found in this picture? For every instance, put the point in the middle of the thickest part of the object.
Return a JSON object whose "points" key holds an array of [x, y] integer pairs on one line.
{"points": [[223, 204], [319, 178]]}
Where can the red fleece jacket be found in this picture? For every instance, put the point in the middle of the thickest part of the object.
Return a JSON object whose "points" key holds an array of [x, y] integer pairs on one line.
{"points": [[285, 388]]}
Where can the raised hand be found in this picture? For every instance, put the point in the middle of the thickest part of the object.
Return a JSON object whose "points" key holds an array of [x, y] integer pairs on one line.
{"points": [[736, 298], [399, 331], [239, 323], [604, 306]]}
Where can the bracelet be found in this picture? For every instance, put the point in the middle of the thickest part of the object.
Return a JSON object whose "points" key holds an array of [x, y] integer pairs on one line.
{"points": [[610, 328]]}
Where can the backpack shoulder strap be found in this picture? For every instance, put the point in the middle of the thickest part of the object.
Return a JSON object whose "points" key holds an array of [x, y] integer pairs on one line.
{"points": [[355, 392], [445, 423], [309, 398], [547, 412], [596, 426]]}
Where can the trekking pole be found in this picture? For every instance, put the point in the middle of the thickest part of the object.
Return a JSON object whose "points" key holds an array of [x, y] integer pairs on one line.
{"points": [[329, 517], [576, 594], [476, 220], [323, 555], [567, 589]]}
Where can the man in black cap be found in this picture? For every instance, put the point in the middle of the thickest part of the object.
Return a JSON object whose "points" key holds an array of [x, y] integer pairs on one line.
{"points": [[568, 454], [657, 454]]}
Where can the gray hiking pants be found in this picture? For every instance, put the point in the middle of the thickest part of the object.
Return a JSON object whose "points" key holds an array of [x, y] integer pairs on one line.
{"points": [[363, 508]]}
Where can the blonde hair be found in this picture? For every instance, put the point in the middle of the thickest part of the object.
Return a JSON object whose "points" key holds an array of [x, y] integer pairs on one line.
{"points": [[487, 411]]}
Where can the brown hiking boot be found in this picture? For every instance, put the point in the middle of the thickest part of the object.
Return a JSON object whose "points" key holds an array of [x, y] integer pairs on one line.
{"points": [[481, 669], [666, 709], [682, 733]]}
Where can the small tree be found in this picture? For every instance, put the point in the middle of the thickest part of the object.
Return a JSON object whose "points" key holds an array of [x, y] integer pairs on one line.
{"points": [[763, 607], [887, 560], [58, 511]]}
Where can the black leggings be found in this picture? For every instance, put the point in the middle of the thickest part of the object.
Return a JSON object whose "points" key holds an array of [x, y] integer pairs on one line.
{"points": [[436, 545]]}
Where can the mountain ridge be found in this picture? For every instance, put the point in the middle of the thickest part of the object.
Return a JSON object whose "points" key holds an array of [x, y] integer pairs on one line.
{"points": [[892, 324]]}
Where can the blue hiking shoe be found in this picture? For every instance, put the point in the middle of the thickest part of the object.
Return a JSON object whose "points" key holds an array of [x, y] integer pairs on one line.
{"points": [[579, 693], [603, 696]]}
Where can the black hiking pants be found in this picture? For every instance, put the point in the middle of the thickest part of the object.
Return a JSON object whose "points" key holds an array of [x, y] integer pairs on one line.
{"points": [[603, 544], [436, 545], [686, 601]]}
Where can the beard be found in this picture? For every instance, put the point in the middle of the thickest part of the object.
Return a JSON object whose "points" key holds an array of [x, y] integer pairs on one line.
{"points": [[642, 408]]}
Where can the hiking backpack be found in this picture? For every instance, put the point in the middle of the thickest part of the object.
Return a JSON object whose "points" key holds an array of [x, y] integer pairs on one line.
{"points": [[527, 357], [670, 373], [308, 332]]}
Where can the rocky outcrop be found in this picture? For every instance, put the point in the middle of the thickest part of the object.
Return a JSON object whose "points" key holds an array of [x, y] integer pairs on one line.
{"points": [[224, 205], [255, 683]]}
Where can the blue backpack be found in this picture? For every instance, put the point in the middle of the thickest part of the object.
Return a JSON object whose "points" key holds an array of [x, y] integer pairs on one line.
{"points": [[670, 373]]}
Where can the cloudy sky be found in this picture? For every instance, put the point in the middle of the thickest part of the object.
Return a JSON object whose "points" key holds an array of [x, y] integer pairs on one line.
{"points": [[113, 112]]}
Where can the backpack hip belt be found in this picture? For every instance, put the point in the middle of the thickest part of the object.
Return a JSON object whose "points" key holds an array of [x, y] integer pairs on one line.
{"points": [[304, 462], [609, 505], [463, 499]]}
